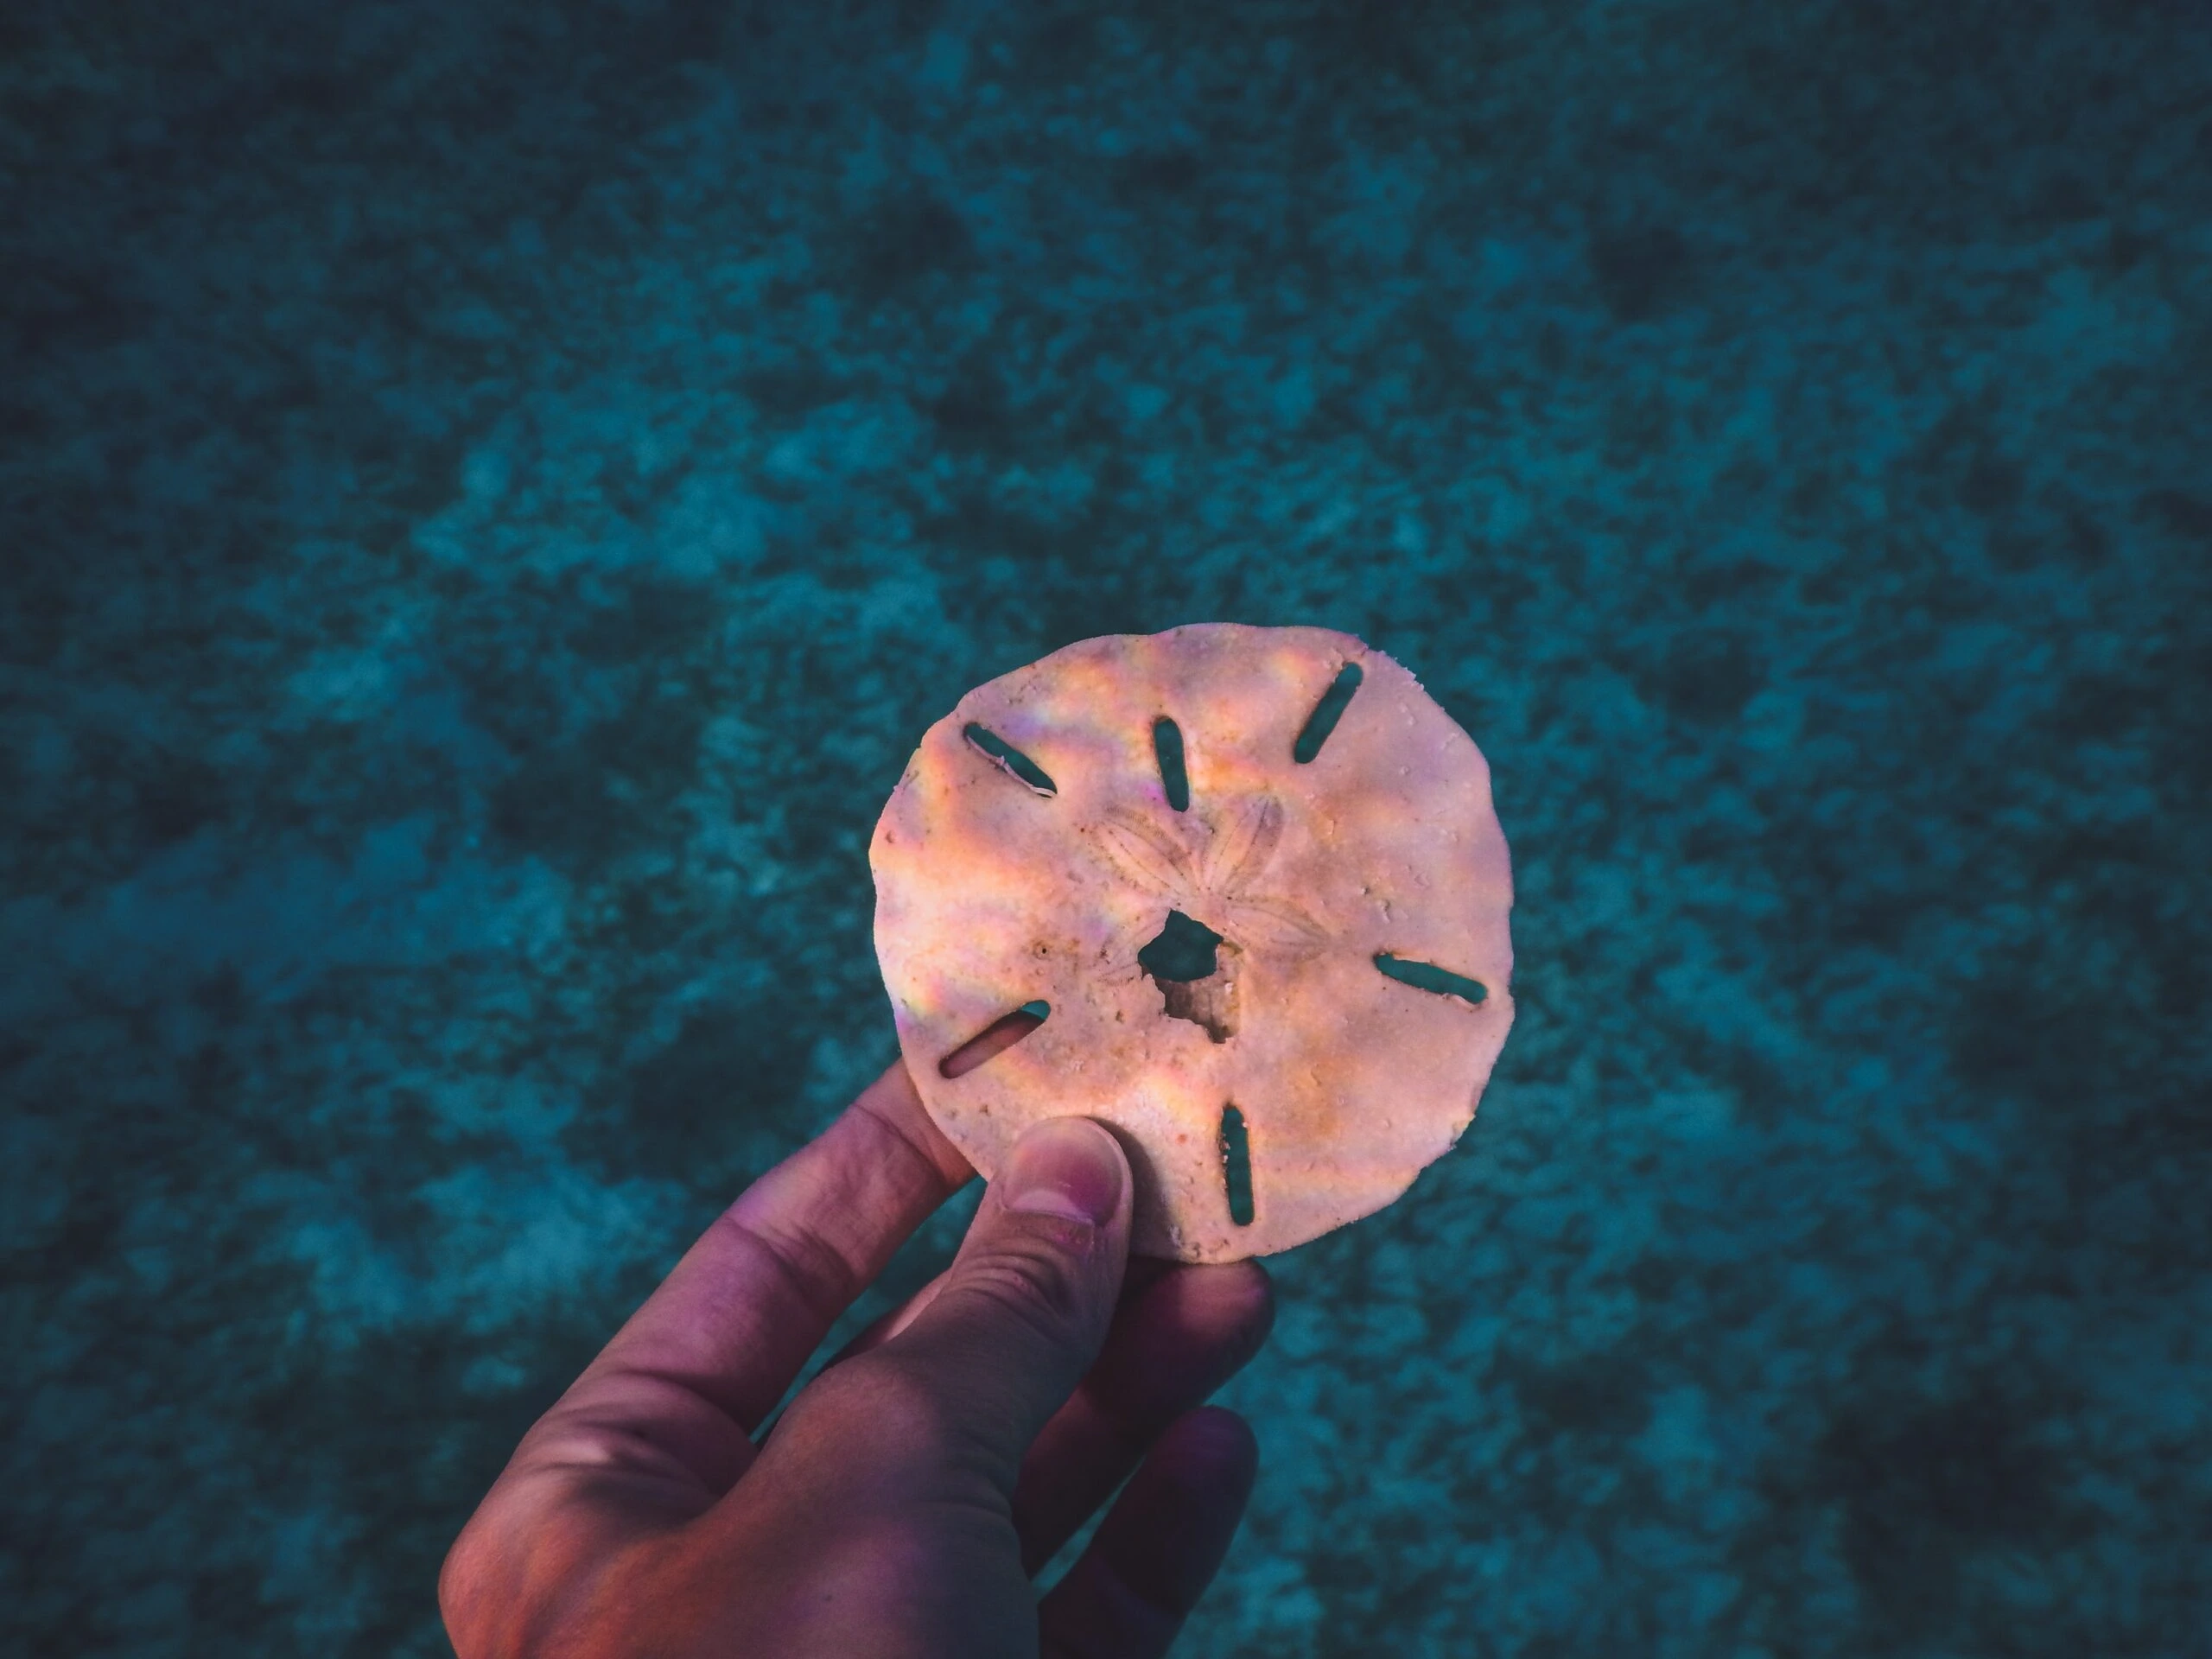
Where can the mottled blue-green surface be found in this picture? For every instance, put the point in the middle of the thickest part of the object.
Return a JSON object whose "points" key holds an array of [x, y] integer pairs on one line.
{"points": [[489, 497]]}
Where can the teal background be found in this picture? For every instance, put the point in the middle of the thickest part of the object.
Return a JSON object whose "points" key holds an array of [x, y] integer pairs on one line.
{"points": [[489, 496]]}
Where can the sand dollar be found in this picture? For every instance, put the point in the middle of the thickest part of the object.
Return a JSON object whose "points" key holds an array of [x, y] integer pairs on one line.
{"points": [[1254, 875]]}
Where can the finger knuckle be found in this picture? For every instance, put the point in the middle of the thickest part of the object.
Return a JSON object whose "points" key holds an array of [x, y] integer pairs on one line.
{"points": [[1033, 1285]]}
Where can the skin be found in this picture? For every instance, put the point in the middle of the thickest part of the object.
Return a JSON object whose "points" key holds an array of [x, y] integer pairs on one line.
{"points": [[904, 1499]]}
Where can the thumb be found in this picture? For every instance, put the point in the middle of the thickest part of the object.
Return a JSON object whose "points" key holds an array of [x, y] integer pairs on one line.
{"points": [[1023, 1310]]}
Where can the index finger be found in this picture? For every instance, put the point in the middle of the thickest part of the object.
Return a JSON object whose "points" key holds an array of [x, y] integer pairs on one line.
{"points": [[753, 1297]]}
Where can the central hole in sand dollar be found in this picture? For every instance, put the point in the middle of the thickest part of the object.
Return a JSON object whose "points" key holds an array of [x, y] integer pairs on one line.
{"points": [[1196, 970]]}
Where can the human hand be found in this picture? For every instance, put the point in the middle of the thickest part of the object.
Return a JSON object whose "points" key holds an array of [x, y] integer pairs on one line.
{"points": [[907, 1494]]}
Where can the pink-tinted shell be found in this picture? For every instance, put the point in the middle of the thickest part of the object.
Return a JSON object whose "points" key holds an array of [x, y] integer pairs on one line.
{"points": [[990, 895]]}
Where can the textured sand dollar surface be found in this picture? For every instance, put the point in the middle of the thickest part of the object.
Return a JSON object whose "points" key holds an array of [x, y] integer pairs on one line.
{"points": [[1096, 831]]}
